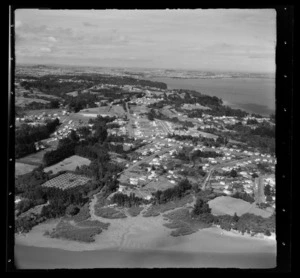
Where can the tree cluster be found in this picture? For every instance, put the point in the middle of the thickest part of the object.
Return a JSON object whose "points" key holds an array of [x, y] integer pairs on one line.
{"points": [[243, 196], [173, 193], [124, 200], [27, 135]]}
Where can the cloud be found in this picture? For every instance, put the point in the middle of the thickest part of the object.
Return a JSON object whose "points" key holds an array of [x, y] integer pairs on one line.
{"points": [[52, 39], [45, 49], [89, 24]]}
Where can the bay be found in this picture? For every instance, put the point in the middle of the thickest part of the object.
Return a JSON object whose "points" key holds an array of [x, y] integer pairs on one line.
{"points": [[254, 95]]}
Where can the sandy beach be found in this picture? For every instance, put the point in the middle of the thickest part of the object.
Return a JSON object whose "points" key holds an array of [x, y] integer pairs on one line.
{"points": [[147, 237]]}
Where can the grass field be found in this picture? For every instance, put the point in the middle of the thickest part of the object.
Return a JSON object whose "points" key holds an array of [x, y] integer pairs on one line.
{"points": [[22, 168], [228, 205], [68, 164], [66, 181], [134, 211], [22, 101], [33, 159], [40, 111], [162, 184], [118, 110], [156, 210], [109, 212]]}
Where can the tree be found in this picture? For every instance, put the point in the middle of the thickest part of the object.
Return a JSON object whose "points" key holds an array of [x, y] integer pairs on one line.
{"points": [[267, 233], [233, 173], [267, 190], [185, 185], [201, 207], [269, 198], [84, 131], [74, 136], [54, 104], [150, 117], [235, 217]]}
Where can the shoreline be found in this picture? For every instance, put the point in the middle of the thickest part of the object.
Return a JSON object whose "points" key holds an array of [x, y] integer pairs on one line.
{"points": [[149, 234], [228, 92], [138, 242]]}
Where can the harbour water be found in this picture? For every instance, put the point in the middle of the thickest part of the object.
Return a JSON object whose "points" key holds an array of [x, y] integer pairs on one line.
{"points": [[254, 95]]}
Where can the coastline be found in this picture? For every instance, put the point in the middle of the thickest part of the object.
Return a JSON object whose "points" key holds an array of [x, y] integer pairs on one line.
{"points": [[140, 233], [253, 95], [139, 241]]}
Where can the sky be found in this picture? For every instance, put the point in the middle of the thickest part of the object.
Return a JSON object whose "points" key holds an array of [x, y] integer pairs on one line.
{"points": [[239, 40]]}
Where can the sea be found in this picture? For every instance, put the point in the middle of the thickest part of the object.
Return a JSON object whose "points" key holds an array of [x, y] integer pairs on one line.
{"points": [[28, 257], [253, 95]]}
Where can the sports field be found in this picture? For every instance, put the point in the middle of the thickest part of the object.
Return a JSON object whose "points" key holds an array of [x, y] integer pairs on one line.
{"points": [[228, 205]]}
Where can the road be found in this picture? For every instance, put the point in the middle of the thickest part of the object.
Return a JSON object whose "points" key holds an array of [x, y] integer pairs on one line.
{"points": [[148, 158], [164, 126], [130, 122], [228, 163]]}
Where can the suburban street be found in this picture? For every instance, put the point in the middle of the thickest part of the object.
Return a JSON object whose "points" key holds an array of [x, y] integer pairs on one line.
{"points": [[130, 122]]}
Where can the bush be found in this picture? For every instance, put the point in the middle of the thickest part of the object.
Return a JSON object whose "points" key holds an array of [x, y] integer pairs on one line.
{"points": [[110, 213], [134, 211], [72, 210]]}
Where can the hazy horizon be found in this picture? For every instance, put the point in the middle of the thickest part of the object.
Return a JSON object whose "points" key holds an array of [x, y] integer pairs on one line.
{"points": [[223, 40], [141, 68]]}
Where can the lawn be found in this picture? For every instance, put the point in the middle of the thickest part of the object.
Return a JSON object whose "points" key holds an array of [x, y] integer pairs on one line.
{"points": [[228, 205], [68, 164], [22, 168]]}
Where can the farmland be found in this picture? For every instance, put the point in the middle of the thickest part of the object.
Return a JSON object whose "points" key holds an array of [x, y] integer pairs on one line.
{"points": [[66, 181], [68, 164]]}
